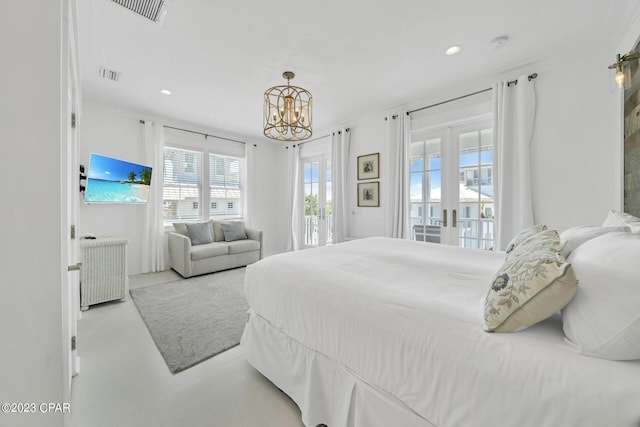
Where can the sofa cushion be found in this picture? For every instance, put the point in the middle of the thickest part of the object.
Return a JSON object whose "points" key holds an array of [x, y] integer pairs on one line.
{"points": [[241, 246], [180, 228], [209, 250], [218, 234]]}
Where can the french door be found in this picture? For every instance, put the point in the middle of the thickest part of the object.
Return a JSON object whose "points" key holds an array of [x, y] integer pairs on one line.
{"points": [[452, 185], [318, 224]]}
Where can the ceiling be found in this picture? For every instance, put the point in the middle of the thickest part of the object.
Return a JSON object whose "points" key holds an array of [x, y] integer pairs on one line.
{"points": [[357, 57]]}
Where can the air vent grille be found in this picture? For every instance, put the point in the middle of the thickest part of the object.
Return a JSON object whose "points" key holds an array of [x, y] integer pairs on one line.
{"points": [[150, 9], [108, 74]]}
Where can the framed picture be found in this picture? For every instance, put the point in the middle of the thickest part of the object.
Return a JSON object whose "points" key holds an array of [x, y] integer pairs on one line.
{"points": [[369, 166], [369, 194]]}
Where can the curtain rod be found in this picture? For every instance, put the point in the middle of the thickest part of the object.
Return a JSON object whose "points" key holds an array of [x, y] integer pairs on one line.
{"points": [[512, 82], [200, 133], [315, 139]]}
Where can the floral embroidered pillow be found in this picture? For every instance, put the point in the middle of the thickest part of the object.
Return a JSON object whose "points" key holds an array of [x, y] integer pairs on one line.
{"points": [[534, 283], [523, 235]]}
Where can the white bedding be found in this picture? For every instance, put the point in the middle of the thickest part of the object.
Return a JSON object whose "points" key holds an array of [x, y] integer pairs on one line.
{"points": [[406, 318]]}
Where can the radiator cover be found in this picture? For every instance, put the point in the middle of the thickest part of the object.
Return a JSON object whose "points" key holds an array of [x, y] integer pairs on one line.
{"points": [[104, 270]]}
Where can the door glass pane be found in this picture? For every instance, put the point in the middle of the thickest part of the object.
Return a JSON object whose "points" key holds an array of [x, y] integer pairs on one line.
{"points": [[425, 192], [311, 185], [475, 205], [328, 204]]}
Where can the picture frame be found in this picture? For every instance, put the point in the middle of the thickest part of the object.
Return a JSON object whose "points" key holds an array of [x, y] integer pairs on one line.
{"points": [[369, 194], [369, 166]]}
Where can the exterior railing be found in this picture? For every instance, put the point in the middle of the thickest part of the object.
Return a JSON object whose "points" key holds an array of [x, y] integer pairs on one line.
{"points": [[312, 231], [472, 232]]}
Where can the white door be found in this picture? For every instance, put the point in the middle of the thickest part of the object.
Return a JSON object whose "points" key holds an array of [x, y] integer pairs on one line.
{"points": [[451, 185], [70, 201], [318, 212]]}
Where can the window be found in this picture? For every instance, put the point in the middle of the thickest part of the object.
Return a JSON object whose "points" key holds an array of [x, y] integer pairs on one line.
{"points": [[224, 186], [181, 184], [184, 196]]}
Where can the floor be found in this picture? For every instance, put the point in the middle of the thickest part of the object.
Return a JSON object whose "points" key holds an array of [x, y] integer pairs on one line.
{"points": [[124, 381]]}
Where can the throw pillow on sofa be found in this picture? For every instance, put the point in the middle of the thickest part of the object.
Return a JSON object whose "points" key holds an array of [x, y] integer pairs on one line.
{"points": [[233, 230], [199, 233]]}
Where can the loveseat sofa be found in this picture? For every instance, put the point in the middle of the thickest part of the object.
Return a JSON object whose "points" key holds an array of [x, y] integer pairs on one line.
{"points": [[201, 248]]}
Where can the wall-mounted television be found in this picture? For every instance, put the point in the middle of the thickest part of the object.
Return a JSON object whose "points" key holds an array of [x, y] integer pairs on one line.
{"points": [[112, 180]]}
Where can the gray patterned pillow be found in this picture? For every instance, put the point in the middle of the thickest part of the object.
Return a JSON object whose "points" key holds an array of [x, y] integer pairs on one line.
{"points": [[535, 282]]}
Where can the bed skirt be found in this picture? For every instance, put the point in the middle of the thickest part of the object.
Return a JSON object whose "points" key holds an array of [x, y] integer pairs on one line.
{"points": [[325, 391]]}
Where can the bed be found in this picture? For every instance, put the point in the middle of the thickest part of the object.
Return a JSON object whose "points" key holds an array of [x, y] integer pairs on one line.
{"points": [[389, 332]]}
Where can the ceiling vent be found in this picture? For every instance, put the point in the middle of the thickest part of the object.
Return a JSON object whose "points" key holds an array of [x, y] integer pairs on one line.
{"points": [[108, 74], [150, 9]]}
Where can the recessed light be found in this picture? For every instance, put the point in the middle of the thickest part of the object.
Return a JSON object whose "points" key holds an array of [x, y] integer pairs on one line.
{"points": [[453, 50], [165, 91]]}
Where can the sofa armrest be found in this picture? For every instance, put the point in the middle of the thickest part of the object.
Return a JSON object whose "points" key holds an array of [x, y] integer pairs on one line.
{"points": [[255, 234], [180, 252]]}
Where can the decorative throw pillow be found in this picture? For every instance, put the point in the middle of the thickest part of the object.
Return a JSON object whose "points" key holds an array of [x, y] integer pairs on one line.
{"points": [[615, 218], [529, 287], [603, 320], [233, 230], [199, 233], [545, 240], [524, 234], [573, 237]]}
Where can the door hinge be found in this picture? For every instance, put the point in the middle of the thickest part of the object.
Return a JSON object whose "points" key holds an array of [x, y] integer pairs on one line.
{"points": [[73, 120], [73, 343], [72, 233]]}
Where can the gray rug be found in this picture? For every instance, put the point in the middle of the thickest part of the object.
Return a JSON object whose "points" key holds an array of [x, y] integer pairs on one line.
{"points": [[194, 319]]}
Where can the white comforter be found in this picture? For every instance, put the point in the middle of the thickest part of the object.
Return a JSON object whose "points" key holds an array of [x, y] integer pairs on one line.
{"points": [[407, 318]]}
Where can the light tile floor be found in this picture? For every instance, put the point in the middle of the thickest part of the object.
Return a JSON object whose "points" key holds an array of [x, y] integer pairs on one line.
{"points": [[124, 381]]}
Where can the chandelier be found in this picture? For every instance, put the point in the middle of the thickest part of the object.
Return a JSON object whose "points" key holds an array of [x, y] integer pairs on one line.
{"points": [[287, 112]]}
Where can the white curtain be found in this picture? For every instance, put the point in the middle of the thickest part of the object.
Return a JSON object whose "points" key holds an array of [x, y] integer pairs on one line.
{"points": [[397, 194], [249, 185], [294, 199], [340, 142], [513, 119], [153, 230]]}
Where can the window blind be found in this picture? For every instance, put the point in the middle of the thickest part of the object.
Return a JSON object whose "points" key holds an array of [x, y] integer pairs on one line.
{"points": [[181, 184]]}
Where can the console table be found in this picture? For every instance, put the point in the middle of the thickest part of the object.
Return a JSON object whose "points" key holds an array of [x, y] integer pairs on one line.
{"points": [[103, 275]]}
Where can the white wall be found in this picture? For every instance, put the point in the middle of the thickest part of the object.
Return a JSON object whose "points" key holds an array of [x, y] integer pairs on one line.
{"points": [[118, 133], [31, 359]]}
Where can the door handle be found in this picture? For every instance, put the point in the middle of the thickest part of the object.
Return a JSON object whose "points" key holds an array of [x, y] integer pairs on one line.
{"points": [[444, 218], [454, 218], [75, 267]]}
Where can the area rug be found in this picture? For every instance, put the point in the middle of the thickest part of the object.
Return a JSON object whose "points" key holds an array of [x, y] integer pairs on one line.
{"points": [[194, 319]]}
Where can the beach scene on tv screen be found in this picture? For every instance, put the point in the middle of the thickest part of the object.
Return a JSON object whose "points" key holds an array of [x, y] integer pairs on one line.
{"points": [[116, 181]]}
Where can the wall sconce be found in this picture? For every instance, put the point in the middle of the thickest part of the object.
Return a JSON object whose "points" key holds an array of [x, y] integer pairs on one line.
{"points": [[622, 70]]}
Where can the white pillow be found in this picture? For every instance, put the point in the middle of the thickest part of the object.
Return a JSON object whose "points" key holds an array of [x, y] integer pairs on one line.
{"points": [[615, 218], [603, 319], [573, 237]]}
